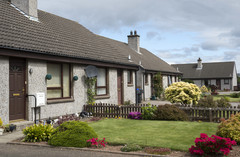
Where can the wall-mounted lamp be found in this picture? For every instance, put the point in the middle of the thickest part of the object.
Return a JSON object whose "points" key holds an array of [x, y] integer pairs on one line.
{"points": [[75, 78], [30, 71], [48, 77]]}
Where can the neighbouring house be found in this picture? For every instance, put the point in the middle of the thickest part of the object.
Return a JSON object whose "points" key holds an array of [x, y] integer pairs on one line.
{"points": [[45, 55], [221, 74]]}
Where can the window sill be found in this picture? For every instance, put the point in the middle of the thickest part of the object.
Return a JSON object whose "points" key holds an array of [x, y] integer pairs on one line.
{"points": [[102, 97], [60, 101], [130, 85]]}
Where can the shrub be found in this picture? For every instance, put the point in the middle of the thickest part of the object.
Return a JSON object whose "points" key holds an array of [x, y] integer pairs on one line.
{"points": [[148, 112], [183, 92], [159, 151], [130, 148], [38, 133], [210, 103], [170, 112], [1, 123], [135, 115], [206, 102], [72, 134], [223, 102], [204, 89], [235, 95], [127, 102], [157, 84], [230, 128], [211, 145]]}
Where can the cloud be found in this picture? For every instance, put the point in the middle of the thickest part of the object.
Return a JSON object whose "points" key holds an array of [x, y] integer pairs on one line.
{"points": [[178, 53], [153, 35]]}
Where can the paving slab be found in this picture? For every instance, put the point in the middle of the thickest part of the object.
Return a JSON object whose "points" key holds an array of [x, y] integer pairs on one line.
{"points": [[8, 137]]}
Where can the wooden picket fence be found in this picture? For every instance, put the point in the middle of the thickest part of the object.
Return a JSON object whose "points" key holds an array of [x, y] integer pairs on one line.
{"points": [[113, 111], [194, 113], [209, 114]]}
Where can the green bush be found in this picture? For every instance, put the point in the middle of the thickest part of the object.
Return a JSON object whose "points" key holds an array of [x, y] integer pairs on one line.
{"points": [[131, 148], [206, 102], [210, 103], [235, 95], [230, 128], [38, 133], [170, 112], [148, 112], [72, 134], [223, 102]]}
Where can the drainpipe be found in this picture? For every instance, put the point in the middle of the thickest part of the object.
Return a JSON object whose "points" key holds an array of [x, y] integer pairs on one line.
{"points": [[136, 96], [143, 87]]}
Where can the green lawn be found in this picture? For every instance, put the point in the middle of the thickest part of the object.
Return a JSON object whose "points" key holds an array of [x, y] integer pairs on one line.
{"points": [[168, 134], [217, 97]]}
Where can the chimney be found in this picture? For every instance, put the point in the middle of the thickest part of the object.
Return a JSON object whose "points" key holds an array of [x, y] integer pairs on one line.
{"points": [[199, 66], [133, 41], [28, 7]]}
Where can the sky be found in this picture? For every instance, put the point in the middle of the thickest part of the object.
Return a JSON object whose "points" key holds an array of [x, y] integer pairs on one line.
{"points": [[177, 31]]}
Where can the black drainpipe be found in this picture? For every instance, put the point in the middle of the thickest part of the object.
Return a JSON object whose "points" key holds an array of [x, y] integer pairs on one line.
{"points": [[143, 98], [136, 87]]}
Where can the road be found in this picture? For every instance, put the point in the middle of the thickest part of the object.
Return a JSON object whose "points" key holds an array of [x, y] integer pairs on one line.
{"points": [[9, 150]]}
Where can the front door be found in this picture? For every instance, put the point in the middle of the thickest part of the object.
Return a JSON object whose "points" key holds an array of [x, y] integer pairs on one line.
{"points": [[17, 107], [119, 86], [218, 84]]}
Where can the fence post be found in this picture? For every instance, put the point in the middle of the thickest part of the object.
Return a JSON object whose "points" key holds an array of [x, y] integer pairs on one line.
{"points": [[210, 115]]}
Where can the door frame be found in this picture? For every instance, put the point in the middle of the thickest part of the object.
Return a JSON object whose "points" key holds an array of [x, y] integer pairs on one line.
{"points": [[24, 83]]}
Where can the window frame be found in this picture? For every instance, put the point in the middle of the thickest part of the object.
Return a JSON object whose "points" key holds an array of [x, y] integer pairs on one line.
{"points": [[106, 83], [61, 81], [131, 77], [146, 80], [226, 81]]}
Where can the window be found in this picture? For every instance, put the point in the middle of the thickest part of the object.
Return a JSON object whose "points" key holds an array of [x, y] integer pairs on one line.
{"points": [[146, 78], [101, 84], [59, 86], [169, 80], [129, 77], [226, 81]]}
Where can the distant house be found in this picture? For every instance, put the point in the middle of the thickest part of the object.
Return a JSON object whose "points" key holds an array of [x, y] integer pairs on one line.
{"points": [[35, 44], [221, 74]]}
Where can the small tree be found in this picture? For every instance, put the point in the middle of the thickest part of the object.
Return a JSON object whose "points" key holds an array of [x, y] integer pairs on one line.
{"points": [[183, 92], [157, 84]]}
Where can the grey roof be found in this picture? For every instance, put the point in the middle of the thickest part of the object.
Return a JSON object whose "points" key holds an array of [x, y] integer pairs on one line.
{"points": [[209, 70], [54, 35]]}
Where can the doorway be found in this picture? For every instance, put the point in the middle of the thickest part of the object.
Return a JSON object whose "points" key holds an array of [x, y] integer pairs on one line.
{"points": [[17, 105], [119, 86]]}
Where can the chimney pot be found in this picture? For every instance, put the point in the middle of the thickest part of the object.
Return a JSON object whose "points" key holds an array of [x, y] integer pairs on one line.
{"points": [[135, 32], [131, 32]]}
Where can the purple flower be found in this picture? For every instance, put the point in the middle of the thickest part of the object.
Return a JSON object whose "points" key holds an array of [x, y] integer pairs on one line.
{"points": [[135, 115]]}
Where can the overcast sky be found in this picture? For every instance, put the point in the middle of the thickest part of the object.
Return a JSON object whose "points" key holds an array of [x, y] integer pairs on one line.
{"points": [[178, 31]]}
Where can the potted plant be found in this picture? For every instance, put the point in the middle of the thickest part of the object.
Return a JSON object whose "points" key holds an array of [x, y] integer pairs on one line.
{"points": [[1, 127]]}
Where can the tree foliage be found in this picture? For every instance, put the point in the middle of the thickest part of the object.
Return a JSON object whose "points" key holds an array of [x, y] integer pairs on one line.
{"points": [[157, 84]]}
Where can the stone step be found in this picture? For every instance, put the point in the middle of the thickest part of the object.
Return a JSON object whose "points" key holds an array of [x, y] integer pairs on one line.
{"points": [[20, 125]]}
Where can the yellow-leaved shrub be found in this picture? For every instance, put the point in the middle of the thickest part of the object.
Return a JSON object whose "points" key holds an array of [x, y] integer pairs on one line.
{"points": [[183, 92]]}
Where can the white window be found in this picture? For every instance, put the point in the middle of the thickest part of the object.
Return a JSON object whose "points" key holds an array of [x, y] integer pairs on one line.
{"points": [[101, 84]]}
